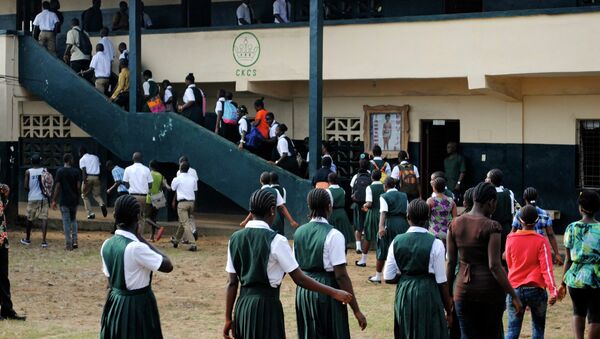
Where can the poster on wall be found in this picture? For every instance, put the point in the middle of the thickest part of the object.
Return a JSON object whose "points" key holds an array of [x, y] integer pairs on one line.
{"points": [[388, 127]]}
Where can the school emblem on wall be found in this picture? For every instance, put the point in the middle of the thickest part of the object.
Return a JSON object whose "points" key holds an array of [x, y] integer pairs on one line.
{"points": [[246, 49]]}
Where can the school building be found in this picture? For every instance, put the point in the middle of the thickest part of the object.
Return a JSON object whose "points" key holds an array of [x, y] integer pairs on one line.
{"points": [[516, 83]]}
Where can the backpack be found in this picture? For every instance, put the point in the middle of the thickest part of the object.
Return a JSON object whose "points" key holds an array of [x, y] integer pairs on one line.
{"points": [[291, 147], [359, 190], [254, 138], [229, 112], [408, 180], [46, 183], [382, 170], [84, 44]]}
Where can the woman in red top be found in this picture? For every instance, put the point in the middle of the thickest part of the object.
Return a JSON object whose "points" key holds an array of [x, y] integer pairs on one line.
{"points": [[530, 272]]}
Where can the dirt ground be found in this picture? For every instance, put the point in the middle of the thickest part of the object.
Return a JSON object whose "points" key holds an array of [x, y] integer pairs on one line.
{"points": [[62, 293]]}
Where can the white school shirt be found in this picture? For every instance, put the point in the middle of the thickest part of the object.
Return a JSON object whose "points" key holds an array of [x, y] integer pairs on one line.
{"points": [[281, 7], [138, 176], [185, 185], [273, 129], [91, 163], [243, 12], [279, 199], [124, 55], [334, 249], [331, 195], [396, 170], [168, 93], [191, 172], [147, 20], [284, 192], [386, 165], [101, 65], [109, 50], [138, 261], [437, 259], [188, 95], [281, 258], [46, 20], [383, 206], [219, 105], [369, 193], [243, 125], [282, 146], [146, 86]]}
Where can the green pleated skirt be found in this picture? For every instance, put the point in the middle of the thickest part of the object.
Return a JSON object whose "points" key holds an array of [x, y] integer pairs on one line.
{"points": [[130, 314], [371, 224], [358, 216], [258, 314], [339, 220], [394, 225], [418, 309], [319, 316]]}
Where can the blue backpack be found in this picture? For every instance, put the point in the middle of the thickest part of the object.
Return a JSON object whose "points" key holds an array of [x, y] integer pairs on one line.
{"points": [[229, 113], [254, 139]]}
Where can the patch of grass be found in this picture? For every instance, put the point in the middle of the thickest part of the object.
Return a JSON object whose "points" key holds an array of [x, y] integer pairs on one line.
{"points": [[63, 293]]}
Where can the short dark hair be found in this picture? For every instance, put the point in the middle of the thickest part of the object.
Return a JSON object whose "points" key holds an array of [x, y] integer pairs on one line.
{"points": [[282, 127], [377, 150], [326, 162], [190, 77], [104, 31], [184, 167], [154, 164], [36, 159], [438, 174], [274, 178], [403, 155], [260, 102], [389, 182], [147, 73], [332, 178], [439, 184], [270, 115], [496, 176], [376, 175], [68, 158], [265, 178], [74, 22], [110, 164], [589, 202], [100, 47], [46, 5], [418, 212]]}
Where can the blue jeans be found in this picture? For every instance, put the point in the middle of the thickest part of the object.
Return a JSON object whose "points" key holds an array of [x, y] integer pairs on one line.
{"points": [[537, 300], [69, 218], [479, 319]]}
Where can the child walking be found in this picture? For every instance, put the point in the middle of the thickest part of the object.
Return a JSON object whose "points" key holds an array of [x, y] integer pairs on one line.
{"points": [[338, 218], [373, 192], [415, 261], [443, 210], [258, 258], [359, 183], [321, 252]]}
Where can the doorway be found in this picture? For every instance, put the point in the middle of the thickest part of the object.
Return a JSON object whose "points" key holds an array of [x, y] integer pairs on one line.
{"points": [[435, 135], [26, 12]]}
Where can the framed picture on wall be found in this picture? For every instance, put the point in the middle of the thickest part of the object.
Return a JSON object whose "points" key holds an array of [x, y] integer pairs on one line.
{"points": [[388, 127]]}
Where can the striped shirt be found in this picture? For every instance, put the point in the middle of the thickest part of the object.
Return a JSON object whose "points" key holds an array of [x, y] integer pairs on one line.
{"points": [[117, 173]]}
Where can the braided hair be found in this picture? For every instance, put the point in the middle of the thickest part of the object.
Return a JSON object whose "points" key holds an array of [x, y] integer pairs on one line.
{"points": [[484, 192], [468, 200], [319, 203], [530, 195], [589, 202], [261, 203], [127, 210], [418, 213]]}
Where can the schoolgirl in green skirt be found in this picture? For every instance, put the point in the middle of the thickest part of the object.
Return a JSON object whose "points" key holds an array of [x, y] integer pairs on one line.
{"points": [[416, 262], [257, 259], [130, 310], [321, 253], [338, 217], [374, 191]]}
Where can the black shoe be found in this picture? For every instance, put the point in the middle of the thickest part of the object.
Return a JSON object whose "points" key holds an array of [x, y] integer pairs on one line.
{"points": [[359, 264], [174, 242], [75, 246], [104, 210], [14, 316], [195, 234], [193, 248], [358, 251], [91, 216]]}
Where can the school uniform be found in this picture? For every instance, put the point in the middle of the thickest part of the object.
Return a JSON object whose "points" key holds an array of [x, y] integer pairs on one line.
{"points": [[92, 184], [374, 191], [101, 63], [278, 224], [395, 204], [339, 218], [169, 99], [46, 21], [419, 259], [138, 176], [196, 111], [130, 310], [286, 146], [243, 128], [260, 258], [244, 12], [185, 185], [319, 247], [358, 215], [151, 90], [281, 7]]}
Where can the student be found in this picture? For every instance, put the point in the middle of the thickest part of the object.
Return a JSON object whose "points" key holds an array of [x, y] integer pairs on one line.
{"points": [[530, 272], [372, 194], [582, 267], [281, 11], [117, 175], [543, 224], [123, 51], [150, 88], [278, 223], [193, 173], [101, 68], [185, 187], [321, 252], [169, 97], [320, 179], [415, 261], [258, 259], [121, 94], [219, 107], [339, 217], [440, 174], [359, 183], [159, 183], [90, 170], [128, 262], [467, 200], [481, 283], [37, 202], [45, 27], [67, 185], [74, 56], [138, 180], [407, 177], [443, 210], [265, 181], [392, 221], [244, 13], [325, 154], [380, 165], [243, 125], [194, 101], [109, 49], [286, 151], [505, 204]]}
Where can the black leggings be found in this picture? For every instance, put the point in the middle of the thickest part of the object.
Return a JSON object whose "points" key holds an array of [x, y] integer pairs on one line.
{"points": [[586, 303]]}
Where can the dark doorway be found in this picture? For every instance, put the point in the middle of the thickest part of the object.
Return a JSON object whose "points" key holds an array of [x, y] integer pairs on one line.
{"points": [[196, 13], [463, 6], [435, 135], [26, 12]]}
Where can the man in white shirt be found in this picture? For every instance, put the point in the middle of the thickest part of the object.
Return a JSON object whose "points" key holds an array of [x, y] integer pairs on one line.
{"points": [[101, 66], [138, 180], [281, 11], [270, 117], [45, 28], [244, 13], [77, 59], [90, 169], [185, 186], [109, 49]]}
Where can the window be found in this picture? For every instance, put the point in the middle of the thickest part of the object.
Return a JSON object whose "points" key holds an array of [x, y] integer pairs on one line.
{"points": [[589, 153], [342, 129], [45, 126]]}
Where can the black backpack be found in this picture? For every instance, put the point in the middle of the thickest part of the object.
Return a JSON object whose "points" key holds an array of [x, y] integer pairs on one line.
{"points": [[359, 190], [291, 147], [84, 44]]}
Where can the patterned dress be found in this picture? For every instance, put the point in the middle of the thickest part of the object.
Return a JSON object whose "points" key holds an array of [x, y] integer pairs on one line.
{"points": [[583, 242], [441, 216]]}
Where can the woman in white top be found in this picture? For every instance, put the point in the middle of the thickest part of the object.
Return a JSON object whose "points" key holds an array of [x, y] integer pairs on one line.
{"points": [[285, 151], [193, 101]]}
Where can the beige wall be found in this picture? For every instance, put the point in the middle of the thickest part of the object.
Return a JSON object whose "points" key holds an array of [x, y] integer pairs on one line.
{"points": [[8, 7], [9, 126], [78, 5]]}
